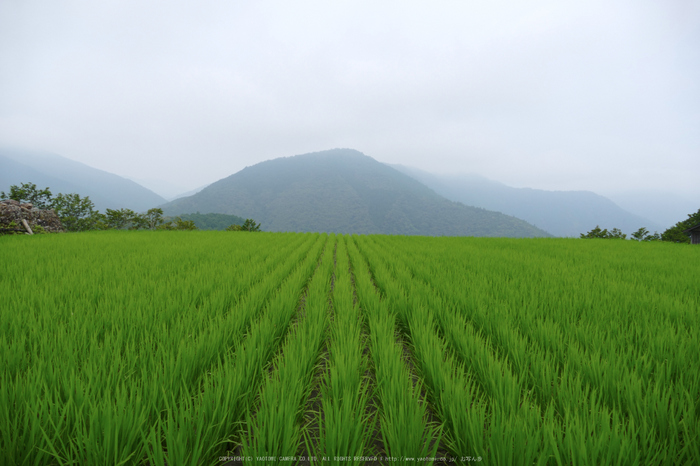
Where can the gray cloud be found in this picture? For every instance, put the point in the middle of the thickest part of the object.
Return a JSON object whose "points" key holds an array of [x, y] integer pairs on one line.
{"points": [[548, 94]]}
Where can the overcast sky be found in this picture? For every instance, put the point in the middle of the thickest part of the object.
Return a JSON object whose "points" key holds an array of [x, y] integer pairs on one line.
{"points": [[552, 94]]}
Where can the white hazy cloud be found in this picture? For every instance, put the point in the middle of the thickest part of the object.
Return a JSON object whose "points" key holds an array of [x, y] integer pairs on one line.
{"points": [[547, 94]]}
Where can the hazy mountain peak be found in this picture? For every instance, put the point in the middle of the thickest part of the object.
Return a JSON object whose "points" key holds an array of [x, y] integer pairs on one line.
{"points": [[63, 175], [344, 191], [562, 213]]}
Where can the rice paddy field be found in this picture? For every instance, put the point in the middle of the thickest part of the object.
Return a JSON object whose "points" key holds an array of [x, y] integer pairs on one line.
{"points": [[219, 348]]}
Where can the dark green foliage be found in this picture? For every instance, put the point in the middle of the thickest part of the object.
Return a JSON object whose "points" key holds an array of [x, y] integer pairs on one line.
{"points": [[344, 191], [212, 221], [139, 222], [119, 219], [616, 234], [248, 225], [28, 192], [604, 234], [154, 217], [640, 234], [13, 228], [177, 224], [676, 233], [77, 213], [643, 235], [127, 219]]}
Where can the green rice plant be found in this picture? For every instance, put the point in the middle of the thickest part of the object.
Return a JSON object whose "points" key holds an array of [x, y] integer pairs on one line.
{"points": [[344, 424], [91, 336], [230, 388], [452, 391], [107, 432], [151, 348], [503, 388], [493, 311], [273, 429], [403, 423]]}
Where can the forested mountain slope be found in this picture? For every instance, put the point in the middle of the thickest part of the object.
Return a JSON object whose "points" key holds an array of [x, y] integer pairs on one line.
{"points": [[344, 191]]}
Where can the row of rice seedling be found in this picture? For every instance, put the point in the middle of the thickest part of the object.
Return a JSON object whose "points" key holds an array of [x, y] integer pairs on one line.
{"points": [[211, 333], [83, 386], [645, 392], [208, 423], [174, 347], [345, 426], [565, 396], [41, 307], [68, 349], [485, 411], [274, 421], [654, 426], [510, 423], [403, 423]]}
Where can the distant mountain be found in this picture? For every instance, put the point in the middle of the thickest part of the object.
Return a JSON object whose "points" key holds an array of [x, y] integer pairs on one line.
{"points": [[63, 175], [162, 187], [343, 191], [663, 207], [188, 193], [561, 213]]}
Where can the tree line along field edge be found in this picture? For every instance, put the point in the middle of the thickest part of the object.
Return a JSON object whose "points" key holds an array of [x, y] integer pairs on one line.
{"points": [[189, 347]]}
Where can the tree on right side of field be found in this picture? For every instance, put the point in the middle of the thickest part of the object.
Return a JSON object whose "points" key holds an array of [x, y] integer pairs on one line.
{"points": [[675, 233]]}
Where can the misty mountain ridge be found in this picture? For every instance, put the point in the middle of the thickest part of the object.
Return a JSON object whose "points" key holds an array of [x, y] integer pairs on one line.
{"points": [[350, 183], [344, 191], [62, 175], [663, 207], [191, 192], [561, 213], [166, 189]]}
